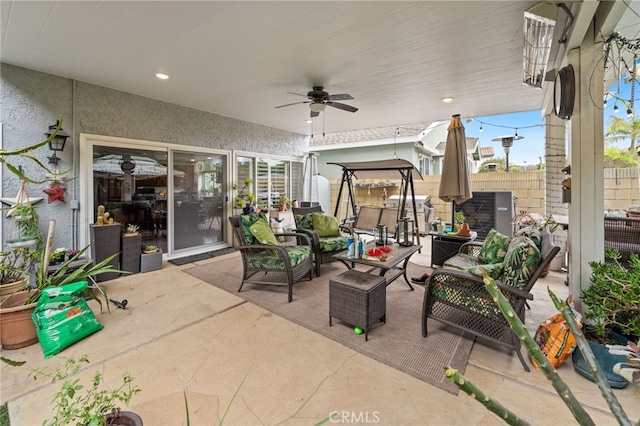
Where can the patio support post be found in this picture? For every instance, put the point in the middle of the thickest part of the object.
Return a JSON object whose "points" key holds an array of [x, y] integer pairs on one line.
{"points": [[586, 211]]}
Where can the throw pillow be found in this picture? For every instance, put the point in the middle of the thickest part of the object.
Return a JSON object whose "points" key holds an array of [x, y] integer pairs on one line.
{"points": [[303, 221], [246, 220], [521, 261], [262, 232], [494, 248], [532, 232], [325, 226], [547, 242], [494, 270]]}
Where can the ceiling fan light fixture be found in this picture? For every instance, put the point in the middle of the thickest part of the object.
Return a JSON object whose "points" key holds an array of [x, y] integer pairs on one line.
{"points": [[317, 106]]}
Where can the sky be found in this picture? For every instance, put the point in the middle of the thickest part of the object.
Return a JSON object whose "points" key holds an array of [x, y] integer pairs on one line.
{"points": [[530, 125]]}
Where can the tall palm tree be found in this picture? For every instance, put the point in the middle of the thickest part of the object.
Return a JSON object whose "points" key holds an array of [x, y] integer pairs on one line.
{"points": [[621, 129]]}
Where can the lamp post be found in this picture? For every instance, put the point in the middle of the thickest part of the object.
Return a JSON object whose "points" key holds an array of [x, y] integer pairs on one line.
{"points": [[507, 142]]}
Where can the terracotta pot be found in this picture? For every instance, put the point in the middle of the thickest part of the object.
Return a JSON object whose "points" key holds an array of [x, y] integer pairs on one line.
{"points": [[124, 418], [10, 288], [283, 207], [17, 328], [464, 230]]}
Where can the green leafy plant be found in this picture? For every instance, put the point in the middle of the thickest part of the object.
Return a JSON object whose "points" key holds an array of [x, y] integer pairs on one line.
{"points": [[283, 199], [459, 218], [150, 248], [15, 264], [78, 404], [242, 198], [612, 300]]}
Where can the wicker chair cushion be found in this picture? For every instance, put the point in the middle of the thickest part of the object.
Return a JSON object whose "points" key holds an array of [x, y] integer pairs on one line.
{"points": [[331, 244], [325, 225], [262, 232], [269, 259], [462, 261], [532, 232], [246, 220], [494, 248], [472, 265], [304, 221], [521, 261]]}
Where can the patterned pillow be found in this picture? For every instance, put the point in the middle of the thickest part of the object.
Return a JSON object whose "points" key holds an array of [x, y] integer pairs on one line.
{"points": [[532, 232], [521, 261], [325, 225], [304, 221], [262, 232], [494, 248], [246, 220]]}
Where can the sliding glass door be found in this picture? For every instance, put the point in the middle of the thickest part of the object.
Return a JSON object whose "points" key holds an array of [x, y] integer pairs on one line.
{"points": [[176, 197], [199, 182]]}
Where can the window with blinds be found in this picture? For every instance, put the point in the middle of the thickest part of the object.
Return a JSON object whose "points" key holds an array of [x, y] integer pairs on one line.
{"points": [[270, 178]]}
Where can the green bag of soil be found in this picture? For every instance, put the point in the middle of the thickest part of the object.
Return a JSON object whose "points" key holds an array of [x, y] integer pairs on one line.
{"points": [[62, 317]]}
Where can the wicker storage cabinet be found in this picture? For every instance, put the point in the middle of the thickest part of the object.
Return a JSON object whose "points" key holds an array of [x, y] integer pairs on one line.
{"points": [[358, 298], [105, 241], [130, 254]]}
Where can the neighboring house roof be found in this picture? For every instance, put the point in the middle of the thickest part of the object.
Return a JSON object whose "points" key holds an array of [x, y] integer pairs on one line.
{"points": [[404, 131], [486, 151], [472, 143]]}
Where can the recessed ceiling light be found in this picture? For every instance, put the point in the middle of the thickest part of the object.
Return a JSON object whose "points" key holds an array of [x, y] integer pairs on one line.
{"points": [[447, 99], [162, 76], [308, 120]]}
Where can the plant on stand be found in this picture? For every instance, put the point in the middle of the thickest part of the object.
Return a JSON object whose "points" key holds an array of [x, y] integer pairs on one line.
{"points": [[244, 200], [149, 248], [283, 201], [91, 405], [131, 230], [15, 265]]}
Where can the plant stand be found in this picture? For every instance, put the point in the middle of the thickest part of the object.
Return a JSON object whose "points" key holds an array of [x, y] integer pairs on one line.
{"points": [[105, 241], [151, 261], [130, 253]]}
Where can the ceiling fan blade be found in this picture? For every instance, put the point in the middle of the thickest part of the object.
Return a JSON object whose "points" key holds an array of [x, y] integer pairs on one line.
{"points": [[340, 97], [314, 114], [343, 107], [295, 103], [298, 94]]}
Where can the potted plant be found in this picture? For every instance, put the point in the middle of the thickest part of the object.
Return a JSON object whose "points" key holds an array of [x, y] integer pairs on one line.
{"points": [[131, 230], [283, 200], [611, 309], [59, 255], [25, 227], [149, 248], [458, 219], [16, 326], [244, 200], [94, 404], [14, 270]]}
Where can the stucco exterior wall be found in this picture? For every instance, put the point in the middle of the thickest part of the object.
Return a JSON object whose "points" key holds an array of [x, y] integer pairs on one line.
{"points": [[32, 101]]}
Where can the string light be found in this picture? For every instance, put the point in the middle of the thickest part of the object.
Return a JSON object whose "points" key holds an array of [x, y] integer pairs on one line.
{"points": [[482, 123], [615, 108], [629, 113]]}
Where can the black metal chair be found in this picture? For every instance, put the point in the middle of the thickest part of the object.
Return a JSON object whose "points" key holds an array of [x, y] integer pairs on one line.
{"points": [[273, 264]]}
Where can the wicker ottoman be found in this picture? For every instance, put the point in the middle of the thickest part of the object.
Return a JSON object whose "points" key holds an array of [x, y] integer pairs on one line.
{"points": [[358, 298]]}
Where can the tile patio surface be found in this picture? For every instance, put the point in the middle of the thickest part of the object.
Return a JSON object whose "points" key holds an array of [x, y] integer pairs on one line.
{"points": [[179, 334]]}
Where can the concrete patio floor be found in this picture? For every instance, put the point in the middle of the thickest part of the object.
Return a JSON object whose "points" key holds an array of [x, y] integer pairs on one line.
{"points": [[179, 334]]}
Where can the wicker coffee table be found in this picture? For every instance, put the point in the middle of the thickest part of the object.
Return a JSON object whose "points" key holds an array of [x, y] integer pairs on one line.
{"points": [[358, 298]]}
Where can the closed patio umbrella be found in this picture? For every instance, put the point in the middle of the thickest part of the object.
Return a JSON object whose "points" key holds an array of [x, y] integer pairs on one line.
{"points": [[454, 182]]}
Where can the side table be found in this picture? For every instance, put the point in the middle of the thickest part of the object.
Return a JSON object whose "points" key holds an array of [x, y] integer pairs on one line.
{"points": [[358, 298], [444, 246]]}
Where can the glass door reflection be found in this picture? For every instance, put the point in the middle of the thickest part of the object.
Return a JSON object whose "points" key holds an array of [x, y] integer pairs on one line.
{"points": [[198, 199]]}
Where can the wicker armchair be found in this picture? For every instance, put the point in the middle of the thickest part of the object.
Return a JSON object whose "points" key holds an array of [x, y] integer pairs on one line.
{"points": [[271, 264], [622, 234], [459, 299], [323, 248]]}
